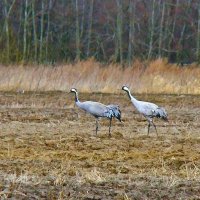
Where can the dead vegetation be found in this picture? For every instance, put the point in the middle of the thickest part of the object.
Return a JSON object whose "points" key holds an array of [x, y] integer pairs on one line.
{"points": [[49, 151], [88, 76]]}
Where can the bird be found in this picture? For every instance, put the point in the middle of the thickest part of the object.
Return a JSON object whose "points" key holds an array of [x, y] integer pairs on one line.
{"points": [[20, 91], [147, 109], [98, 110]]}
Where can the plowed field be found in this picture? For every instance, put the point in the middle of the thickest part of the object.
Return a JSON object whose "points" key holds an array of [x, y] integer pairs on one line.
{"points": [[48, 149]]}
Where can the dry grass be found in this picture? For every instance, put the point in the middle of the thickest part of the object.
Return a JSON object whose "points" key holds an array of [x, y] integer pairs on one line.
{"points": [[50, 152], [89, 76]]}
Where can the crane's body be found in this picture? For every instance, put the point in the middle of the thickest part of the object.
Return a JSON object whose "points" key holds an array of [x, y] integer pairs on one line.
{"points": [[98, 110], [147, 109]]}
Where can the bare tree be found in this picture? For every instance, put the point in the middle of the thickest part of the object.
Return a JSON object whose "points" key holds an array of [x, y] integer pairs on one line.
{"points": [[174, 12], [118, 45], [48, 27], [34, 31], [131, 42], [90, 27], [25, 30], [82, 18], [41, 31], [151, 30], [161, 31], [198, 35], [77, 32], [7, 11]]}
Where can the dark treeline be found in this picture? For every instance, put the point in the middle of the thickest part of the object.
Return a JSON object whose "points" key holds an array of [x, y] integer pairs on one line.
{"points": [[48, 31]]}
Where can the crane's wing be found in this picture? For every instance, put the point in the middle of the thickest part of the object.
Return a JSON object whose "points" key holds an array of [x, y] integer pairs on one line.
{"points": [[152, 110], [94, 108], [113, 111], [147, 108], [160, 113], [100, 110]]}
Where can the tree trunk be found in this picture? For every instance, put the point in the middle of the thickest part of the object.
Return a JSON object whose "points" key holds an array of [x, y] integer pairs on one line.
{"points": [[41, 31], [166, 28], [25, 31], [119, 51], [34, 31], [161, 31], [170, 45], [131, 42], [7, 11], [77, 33], [90, 27], [151, 31], [7, 40], [82, 19], [198, 36], [19, 40], [47, 32]]}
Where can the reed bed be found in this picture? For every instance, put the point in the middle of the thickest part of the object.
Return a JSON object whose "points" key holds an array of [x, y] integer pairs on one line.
{"points": [[154, 77]]}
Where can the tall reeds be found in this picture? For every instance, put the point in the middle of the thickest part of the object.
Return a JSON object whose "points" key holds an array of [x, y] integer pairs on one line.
{"points": [[157, 76]]}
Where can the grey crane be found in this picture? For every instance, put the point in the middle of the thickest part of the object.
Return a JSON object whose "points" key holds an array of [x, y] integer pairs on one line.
{"points": [[98, 110], [147, 109]]}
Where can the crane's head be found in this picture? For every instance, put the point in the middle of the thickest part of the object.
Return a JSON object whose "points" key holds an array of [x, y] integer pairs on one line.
{"points": [[73, 90], [125, 88]]}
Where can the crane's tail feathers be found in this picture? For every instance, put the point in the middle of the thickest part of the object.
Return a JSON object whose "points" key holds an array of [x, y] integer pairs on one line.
{"points": [[161, 113], [114, 111]]}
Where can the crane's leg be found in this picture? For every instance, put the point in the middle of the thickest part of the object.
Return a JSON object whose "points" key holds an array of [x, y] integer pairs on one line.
{"points": [[148, 128], [110, 126], [97, 125], [149, 125], [155, 128]]}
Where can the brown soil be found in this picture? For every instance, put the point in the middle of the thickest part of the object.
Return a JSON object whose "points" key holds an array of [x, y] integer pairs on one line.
{"points": [[48, 149]]}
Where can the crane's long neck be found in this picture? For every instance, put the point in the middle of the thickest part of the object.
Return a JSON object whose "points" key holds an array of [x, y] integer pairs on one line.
{"points": [[76, 97], [129, 94], [133, 99]]}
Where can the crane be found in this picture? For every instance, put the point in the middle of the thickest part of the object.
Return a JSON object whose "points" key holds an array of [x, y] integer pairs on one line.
{"points": [[98, 110], [147, 109]]}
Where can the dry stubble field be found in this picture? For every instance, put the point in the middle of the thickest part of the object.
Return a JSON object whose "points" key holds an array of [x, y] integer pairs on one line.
{"points": [[48, 149]]}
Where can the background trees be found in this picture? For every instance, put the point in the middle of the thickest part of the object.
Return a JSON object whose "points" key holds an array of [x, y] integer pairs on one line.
{"points": [[48, 31]]}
